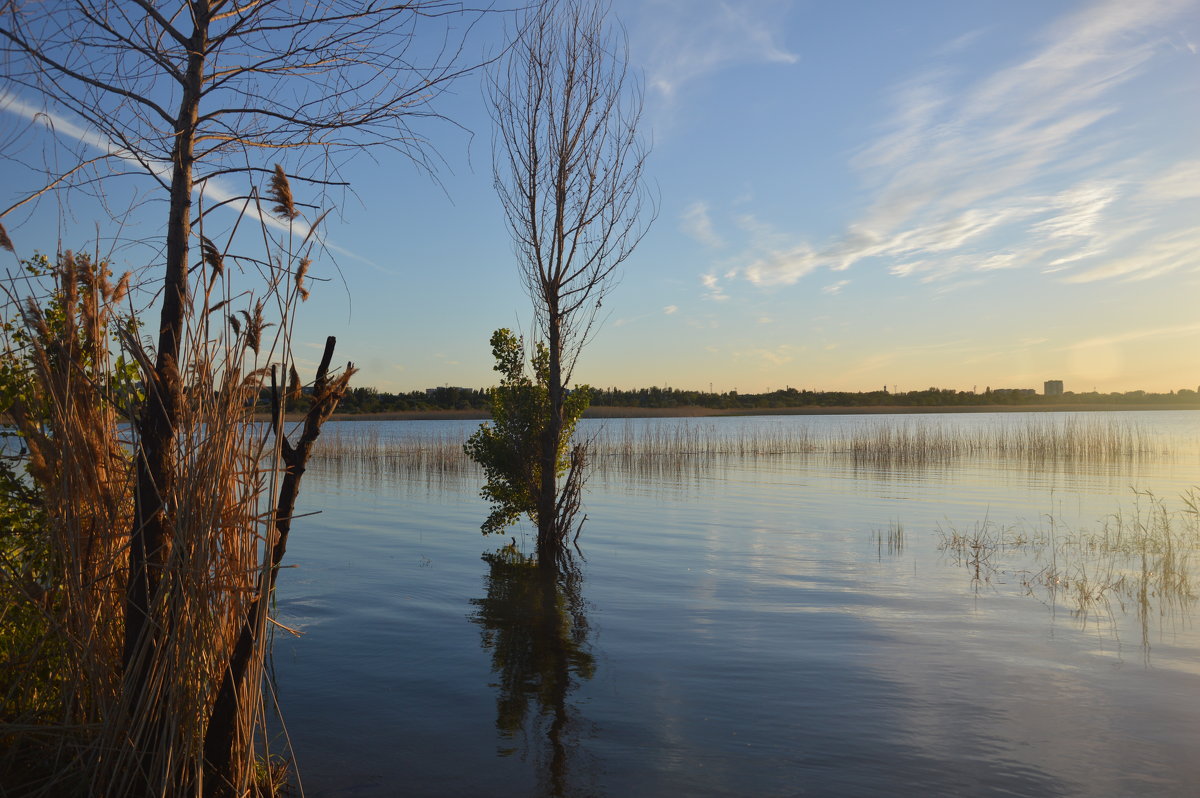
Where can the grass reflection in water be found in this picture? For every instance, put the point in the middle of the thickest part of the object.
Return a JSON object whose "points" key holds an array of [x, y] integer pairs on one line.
{"points": [[765, 611], [1140, 559]]}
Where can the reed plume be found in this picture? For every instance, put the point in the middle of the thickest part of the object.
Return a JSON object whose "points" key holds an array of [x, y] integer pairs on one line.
{"points": [[281, 192], [177, 710]]}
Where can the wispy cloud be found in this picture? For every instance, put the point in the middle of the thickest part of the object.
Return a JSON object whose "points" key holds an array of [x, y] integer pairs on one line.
{"points": [[696, 222], [680, 41], [1164, 254], [1176, 331], [60, 126], [670, 310], [213, 190], [713, 288], [773, 357], [1179, 182], [1027, 166]]}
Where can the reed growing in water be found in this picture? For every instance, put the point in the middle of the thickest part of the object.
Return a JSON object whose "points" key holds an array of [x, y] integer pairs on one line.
{"points": [[1033, 438], [1140, 558], [366, 452], [681, 445]]}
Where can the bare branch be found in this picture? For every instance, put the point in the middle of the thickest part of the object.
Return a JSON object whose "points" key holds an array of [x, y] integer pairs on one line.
{"points": [[567, 166], [52, 184]]}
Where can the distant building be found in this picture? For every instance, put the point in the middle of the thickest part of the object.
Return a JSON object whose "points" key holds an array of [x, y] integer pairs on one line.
{"points": [[1053, 388]]}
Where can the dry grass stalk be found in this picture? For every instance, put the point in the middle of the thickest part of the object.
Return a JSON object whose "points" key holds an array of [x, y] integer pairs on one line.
{"points": [[229, 507], [1138, 558]]}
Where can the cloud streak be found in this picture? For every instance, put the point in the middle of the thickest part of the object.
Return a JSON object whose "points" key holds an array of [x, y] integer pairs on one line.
{"points": [[1175, 331], [213, 190], [681, 41], [1029, 165]]}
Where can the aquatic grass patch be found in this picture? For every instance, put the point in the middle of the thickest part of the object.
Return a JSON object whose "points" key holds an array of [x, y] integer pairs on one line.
{"points": [[976, 547], [366, 451], [676, 449], [912, 442], [1140, 559], [890, 540]]}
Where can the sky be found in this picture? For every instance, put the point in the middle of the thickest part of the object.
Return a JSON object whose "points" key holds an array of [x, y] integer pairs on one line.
{"points": [[849, 196]]}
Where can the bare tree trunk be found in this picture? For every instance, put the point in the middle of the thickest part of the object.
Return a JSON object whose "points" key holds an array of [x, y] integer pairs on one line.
{"points": [[221, 738], [150, 539], [549, 536], [567, 162]]}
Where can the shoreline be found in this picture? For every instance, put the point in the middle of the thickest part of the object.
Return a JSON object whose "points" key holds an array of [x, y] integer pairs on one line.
{"points": [[707, 412]]}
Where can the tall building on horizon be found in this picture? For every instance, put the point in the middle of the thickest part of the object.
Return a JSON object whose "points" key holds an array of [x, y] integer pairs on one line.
{"points": [[1053, 388]]}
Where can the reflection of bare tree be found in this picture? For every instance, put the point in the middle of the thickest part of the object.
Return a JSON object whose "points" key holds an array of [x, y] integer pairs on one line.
{"points": [[534, 624]]}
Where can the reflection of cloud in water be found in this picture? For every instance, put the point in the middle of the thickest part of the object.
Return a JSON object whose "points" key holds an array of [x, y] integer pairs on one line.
{"points": [[533, 623], [1136, 564]]}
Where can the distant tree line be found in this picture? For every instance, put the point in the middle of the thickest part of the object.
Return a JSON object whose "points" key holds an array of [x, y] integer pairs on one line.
{"points": [[929, 397], [370, 400]]}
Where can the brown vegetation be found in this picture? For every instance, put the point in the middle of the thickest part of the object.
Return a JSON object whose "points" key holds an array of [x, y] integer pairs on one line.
{"points": [[155, 687]]}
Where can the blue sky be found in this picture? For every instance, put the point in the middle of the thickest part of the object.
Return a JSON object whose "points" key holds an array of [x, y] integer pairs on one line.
{"points": [[851, 195]]}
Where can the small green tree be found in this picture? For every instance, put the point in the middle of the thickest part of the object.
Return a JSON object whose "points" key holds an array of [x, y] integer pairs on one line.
{"points": [[509, 448]]}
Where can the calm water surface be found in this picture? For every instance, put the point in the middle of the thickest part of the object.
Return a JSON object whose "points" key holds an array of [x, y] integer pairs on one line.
{"points": [[743, 627]]}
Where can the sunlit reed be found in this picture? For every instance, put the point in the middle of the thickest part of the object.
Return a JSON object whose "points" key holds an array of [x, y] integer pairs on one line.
{"points": [[1137, 559], [677, 447]]}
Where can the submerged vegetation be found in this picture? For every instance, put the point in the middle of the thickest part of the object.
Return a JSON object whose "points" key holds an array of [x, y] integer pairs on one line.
{"points": [[1137, 559]]}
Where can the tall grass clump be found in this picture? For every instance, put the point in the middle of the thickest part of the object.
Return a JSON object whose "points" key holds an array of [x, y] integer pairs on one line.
{"points": [[675, 447], [1141, 557], [1038, 439], [364, 453], [61, 582], [158, 674]]}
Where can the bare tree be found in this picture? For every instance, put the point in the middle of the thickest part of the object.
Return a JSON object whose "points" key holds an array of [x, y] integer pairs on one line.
{"points": [[185, 92], [568, 164]]}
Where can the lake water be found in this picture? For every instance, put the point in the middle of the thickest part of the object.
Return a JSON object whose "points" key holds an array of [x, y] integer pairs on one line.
{"points": [[780, 625]]}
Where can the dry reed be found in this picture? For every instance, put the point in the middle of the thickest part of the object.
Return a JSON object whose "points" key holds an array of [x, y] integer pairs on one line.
{"points": [[142, 721], [677, 447], [1140, 557], [1034, 438]]}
